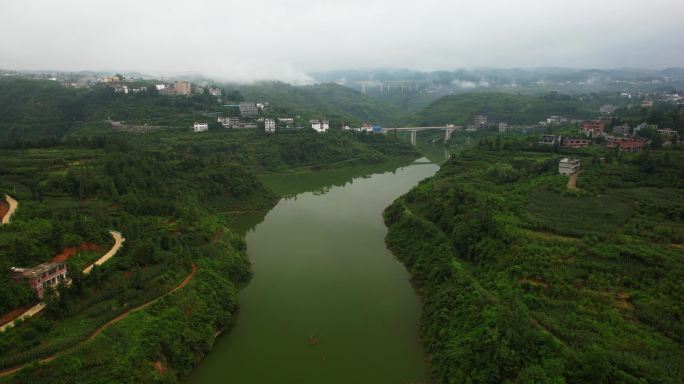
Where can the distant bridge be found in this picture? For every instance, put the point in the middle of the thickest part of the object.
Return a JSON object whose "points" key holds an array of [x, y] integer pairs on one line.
{"points": [[414, 131]]}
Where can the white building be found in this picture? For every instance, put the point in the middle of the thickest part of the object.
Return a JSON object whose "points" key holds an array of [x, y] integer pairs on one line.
{"points": [[480, 121], [568, 166], [200, 127], [215, 91], [503, 128], [320, 126], [269, 125]]}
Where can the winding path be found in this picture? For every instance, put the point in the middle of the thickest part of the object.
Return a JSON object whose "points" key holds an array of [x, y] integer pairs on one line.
{"points": [[106, 325], [118, 242], [572, 180], [13, 204]]}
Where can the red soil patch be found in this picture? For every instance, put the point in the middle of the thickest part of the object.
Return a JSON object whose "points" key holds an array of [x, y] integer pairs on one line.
{"points": [[313, 340], [69, 252], [128, 274], [3, 210], [159, 367], [13, 314]]}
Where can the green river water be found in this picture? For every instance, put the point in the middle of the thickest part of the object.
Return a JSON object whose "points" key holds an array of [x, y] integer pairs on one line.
{"points": [[323, 276]]}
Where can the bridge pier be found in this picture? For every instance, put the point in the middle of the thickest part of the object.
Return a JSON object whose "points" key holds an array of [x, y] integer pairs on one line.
{"points": [[414, 135], [447, 134]]}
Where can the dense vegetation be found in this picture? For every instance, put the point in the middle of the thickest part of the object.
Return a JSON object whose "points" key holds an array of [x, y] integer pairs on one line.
{"points": [[171, 193], [159, 200], [525, 280], [509, 108], [337, 103]]}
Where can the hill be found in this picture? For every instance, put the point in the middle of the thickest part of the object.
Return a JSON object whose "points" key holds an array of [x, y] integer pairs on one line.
{"points": [[510, 108], [527, 281], [334, 102]]}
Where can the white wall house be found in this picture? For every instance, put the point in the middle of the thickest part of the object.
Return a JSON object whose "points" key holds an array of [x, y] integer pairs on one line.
{"points": [[320, 126], [568, 166], [200, 127], [269, 125]]}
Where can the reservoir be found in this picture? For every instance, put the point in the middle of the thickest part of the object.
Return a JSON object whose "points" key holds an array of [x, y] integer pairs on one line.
{"points": [[328, 303]]}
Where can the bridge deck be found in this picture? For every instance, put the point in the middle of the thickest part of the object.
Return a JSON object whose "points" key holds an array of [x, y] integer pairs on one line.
{"points": [[419, 128]]}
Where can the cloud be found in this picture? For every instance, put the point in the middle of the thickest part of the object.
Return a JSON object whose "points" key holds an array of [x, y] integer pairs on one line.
{"points": [[286, 39]]}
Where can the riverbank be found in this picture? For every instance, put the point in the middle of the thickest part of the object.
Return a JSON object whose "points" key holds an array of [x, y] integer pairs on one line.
{"points": [[526, 280]]}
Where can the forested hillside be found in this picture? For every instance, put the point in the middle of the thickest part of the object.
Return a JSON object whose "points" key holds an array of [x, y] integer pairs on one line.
{"points": [[171, 193], [527, 281], [160, 201], [504, 107], [334, 102]]}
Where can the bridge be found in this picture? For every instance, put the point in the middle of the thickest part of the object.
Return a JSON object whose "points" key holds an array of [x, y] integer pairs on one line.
{"points": [[414, 131]]}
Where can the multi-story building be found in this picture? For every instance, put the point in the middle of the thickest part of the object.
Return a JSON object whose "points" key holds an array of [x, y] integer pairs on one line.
{"points": [[592, 128], [182, 87], [568, 166], [550, 140], [269, 125], [503, 128], [575, 143], [248, 109], [320, 126], [622, 130], [631, 146], [215, 91], [229, 122], [200, 127], [42, 276], [480, 121]]}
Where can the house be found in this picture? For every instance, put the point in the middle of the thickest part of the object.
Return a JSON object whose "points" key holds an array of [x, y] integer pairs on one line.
{"points": [[182, 87], [42, 276], [568, 166], [248, 109], [639, 127], [320, 126], [200, 127], [215, 91], [480, 121], [647, 103], [631, 145], [575, 143], [607, 109], [503, 128], [592, 128], [550, 140], [622, 130], [367, 127], [269, 125], [554, 120], [229, 122], [286, 120], [667, 132]]}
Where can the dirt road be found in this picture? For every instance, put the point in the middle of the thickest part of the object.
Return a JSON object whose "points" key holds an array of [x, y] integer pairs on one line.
{"points": [[13, 204], [10, 371]]}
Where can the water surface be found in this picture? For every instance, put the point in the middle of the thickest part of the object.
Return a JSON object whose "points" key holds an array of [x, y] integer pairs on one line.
{"points": [[323, 276]]}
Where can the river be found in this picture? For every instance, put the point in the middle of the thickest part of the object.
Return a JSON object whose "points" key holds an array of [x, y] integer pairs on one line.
{"points": [[328, 303]]}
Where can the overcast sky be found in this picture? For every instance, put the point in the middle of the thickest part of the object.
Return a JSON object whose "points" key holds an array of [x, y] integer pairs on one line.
{"points": [[285, 39]]}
